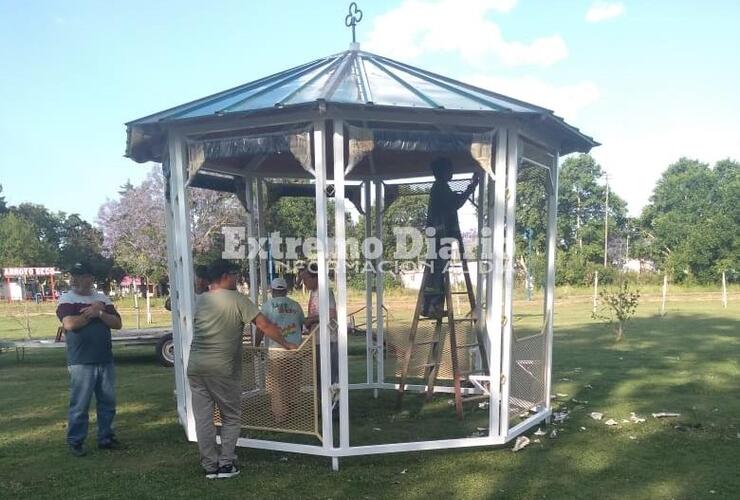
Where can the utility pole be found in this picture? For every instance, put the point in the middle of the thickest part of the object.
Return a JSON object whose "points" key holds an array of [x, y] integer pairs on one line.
{"points": [[627, 251], [606, 220]]}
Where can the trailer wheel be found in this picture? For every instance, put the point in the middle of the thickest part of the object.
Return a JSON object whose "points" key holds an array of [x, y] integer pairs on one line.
{"points": [[166, 350]]}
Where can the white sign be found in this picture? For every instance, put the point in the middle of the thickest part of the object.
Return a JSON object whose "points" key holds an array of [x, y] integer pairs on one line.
{"points": [[11, 272]]}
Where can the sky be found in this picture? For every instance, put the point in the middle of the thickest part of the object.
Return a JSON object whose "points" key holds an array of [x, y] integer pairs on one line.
{"points": [[652, 81]]}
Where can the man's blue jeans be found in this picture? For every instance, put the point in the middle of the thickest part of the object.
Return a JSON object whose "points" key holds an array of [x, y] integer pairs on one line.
{"points": [[84, 381]]}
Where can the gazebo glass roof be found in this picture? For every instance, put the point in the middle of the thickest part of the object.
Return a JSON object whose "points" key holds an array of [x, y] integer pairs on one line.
{"points": [[353, 77]]}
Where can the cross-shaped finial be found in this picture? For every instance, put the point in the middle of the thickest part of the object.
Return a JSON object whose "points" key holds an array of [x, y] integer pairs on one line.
{"points": [[354, 17]]}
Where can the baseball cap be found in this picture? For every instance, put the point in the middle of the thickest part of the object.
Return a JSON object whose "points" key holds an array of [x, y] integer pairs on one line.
{"points": [[80, 268], [279, 284]]}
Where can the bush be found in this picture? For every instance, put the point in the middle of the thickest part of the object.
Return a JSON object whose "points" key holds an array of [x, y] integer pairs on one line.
{"points": [[617, 307]]}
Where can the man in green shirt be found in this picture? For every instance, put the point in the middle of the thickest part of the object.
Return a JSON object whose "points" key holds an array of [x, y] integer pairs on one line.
{"points": [[214, 367]]}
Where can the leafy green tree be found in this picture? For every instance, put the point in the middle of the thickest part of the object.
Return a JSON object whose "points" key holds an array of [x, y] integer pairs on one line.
{"points": [[20, 244], [80, 241], [581, 199], [692, 220], [3, 205], [47, 224]]}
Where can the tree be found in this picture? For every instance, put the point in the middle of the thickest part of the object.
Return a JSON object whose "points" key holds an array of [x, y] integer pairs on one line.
{"points": [[581, 208], [20, 244], [80, 241], [133, 229], [692, 220], [3, 205], [618, 307], [47, 226]]}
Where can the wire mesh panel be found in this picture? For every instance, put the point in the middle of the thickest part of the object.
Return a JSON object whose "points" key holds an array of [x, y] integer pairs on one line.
{"points": [[528, 323], [527, 379], [397, 344], [279, 390]]}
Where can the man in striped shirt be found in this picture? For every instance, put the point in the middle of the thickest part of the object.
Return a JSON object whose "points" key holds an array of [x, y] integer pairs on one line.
{"points": [[88, 317]]}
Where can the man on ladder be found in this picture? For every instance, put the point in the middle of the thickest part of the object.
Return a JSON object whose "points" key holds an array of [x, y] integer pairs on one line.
{"points": [[442, 216], [435, 290]]}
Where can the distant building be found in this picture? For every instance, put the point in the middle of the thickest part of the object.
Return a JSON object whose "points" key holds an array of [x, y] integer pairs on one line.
{"points": [[639, 266], [29, 283]]}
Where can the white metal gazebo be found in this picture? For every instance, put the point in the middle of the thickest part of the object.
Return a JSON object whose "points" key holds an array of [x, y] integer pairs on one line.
{"points": [[362, 125]]}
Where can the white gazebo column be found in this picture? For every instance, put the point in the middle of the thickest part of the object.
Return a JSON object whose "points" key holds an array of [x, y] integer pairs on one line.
{"points": [[341, 274], [251, 234], [512, 163], [494, 284], [379, 315], [182, 259], [369, 344], [552, 230], [320, 145], [480, 297], [175, 279], [259, 214]]}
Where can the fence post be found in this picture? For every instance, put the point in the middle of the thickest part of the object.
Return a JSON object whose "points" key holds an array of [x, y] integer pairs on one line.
{"points": [[665, 291], [596, 290], [724, 290]]}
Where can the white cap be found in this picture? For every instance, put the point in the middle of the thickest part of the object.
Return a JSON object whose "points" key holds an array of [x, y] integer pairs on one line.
{"points": [[279, 284]]}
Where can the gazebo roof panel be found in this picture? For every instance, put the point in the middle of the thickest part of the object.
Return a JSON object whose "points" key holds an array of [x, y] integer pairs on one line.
{"points": [[355, 78]]}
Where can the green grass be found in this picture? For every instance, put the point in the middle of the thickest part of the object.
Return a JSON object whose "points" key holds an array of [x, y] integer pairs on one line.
{"points": [[686, 362]]}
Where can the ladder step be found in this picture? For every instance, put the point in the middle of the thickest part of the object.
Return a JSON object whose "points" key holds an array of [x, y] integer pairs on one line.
{"points": [[463, 346], [459, 293]]}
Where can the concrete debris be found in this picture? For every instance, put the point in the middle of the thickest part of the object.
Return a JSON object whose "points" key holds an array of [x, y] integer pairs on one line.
{"points": [[665, 414], [536, 441], [481, 429], [451, 402], [633, 438], [583, 428], [561, 395], [539, 432], [579, 401], [283, 459], [611, 422], [520, 443], [560, 416], [565, 379], [588, 386], [553, 434], [482, 405], [596, 415], [377, 429], [635, 419], [524, 414], [404, 471], [625, 421]]}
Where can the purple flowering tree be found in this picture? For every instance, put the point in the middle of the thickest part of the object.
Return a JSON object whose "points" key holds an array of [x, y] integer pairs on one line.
{"points": [[134, 225]]}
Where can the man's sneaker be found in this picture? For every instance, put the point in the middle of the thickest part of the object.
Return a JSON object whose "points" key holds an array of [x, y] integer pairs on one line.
{"points": [[212, 474], [110, 444], [77, 450], [227, 471]]}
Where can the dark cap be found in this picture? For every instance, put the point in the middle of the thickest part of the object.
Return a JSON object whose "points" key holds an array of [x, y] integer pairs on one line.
{"points": [[80, 268]]}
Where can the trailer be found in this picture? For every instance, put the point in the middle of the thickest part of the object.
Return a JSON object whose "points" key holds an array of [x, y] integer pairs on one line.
{"points": [[161, 338]]}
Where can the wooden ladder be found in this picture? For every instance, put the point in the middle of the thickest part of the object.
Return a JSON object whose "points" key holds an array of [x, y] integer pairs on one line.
{"points": [[431, 367]]}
